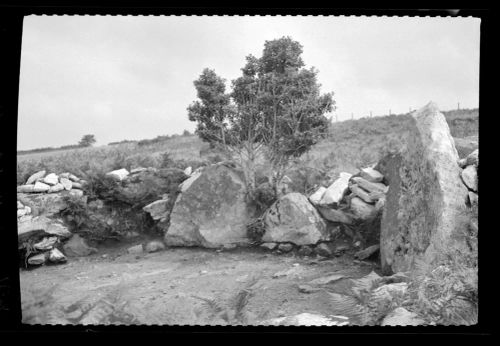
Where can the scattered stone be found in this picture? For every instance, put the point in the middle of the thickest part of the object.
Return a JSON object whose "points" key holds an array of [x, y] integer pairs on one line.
{"points": [[26, 188], [359, 192], [188, 171], [56, 188], [308, 319], [137, 249], [294, 219], [51, 179], [361, 209], [73, 177], [308, 289], [38, 259], [76, 185], [158, 209], [119, 174], [66, 183], [20, 205], [335, 192], [426, 198], [305, 250], [327, 279], [473, 158], [368, 252], [316, 197], [402, 317], [369, 186], [211, 211], [77, 247], [21, 212], [76, 192], [56, 256], [32, 179], [269, 246], [46, 244], [286, 247], [335, 215], [469, 177], [324, 249], [154, 246], [294, 271], [380, 204], [41, 187], [64, 175], [229, 246], [473, 198], [371, 175]]}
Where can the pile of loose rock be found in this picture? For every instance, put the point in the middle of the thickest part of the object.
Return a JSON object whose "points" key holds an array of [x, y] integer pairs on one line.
{"points": [[41, 182], [298, 222]]}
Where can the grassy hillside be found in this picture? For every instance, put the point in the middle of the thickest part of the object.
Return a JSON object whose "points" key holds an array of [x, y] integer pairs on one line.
{"points": [[351, 144]]}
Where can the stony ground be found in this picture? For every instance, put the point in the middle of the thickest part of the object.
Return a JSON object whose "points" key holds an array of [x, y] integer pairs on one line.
{"points": [[194, 286]]}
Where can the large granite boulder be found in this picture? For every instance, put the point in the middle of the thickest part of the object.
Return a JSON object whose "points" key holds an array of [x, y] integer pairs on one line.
{"points": [[426, 197], [211, 210], [294, 219]]}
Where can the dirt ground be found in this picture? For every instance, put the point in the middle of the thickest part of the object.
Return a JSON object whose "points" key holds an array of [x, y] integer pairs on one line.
{"points": [[189, 286]]}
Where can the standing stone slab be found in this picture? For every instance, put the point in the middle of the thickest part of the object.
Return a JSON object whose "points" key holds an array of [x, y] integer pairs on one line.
{"points": [[294, 219], [211, 211], [426, 197]]}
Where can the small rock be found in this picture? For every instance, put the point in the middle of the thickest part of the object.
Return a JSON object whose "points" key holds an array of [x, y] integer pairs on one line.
{"points": [[21, 212], [41, 187], [359, 192], [32, 179], [369, 186], [473, 198], [138, 170], [56, 188], [305, 250], [73, 177], [327, 279], [368, 252], [229, 246], [473, 158], [188, 171], [361, 209], [76, 185], [119, 174], [64, 175], [154, 246], [135, 249], [269, 246], [315, 198], [66, 183], [157, 209], [380, 204], [335, 192], [51, 179], [20, 205], [371, 175], [56, 256], [38, 259], [402, 317], [308, 289], [308, 319], [287, 272], [77, 247], [76, 193], [335, 215], [286, 247], [324, 250], [46, 244], [26, 188], [469, 177]]}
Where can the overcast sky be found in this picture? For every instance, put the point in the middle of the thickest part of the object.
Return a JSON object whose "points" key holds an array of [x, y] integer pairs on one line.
{"points": [[132, 77]]}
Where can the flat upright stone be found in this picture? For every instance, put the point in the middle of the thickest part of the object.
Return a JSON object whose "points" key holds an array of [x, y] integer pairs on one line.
{"points": [[336, 191], [426, 198], [371, 175], [33, 178]]}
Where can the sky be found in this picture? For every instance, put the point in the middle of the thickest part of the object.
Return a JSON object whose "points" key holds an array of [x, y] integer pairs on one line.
{"points": [[132, 77]]}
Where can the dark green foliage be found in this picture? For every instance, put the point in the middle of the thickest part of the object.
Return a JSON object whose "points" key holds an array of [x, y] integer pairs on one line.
{"points": [[87, 141]]}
